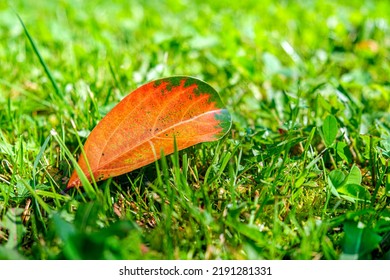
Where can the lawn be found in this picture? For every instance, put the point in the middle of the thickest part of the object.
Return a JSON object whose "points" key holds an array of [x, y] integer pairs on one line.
{"points": [[302, 174]]}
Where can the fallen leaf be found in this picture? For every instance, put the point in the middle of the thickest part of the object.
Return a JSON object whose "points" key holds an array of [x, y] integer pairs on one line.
{"points": [[146, 122]]}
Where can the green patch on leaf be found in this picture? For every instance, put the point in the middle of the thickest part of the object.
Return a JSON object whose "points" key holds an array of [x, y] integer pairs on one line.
{"points": [[329, 130], [359, 241], [343, 151], [348, 186], [12, 221]]}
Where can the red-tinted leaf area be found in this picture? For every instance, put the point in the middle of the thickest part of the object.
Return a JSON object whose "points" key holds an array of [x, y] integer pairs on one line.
{"points": [[134, 132]]}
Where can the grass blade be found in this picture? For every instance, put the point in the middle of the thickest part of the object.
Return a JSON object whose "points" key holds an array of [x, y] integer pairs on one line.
{"points": [[41, 60]]}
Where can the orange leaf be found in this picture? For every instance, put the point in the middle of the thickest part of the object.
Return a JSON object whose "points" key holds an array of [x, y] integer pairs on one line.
{"points": [[145, 123]]}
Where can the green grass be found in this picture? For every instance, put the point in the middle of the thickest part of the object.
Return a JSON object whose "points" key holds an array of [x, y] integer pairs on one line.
{"points": [[303, 174]]}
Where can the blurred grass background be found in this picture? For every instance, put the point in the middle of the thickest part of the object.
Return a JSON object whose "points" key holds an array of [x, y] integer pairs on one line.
{"points": [[280, 67]]}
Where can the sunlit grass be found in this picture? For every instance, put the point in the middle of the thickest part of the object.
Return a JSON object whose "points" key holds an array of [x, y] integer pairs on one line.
{"points": [[303, 174]]}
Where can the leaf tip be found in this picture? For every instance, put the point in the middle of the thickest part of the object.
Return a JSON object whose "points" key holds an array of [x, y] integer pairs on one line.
{"points": [[74, 181]]}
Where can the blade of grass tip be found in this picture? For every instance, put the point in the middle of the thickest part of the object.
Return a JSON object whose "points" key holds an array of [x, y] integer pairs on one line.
{"points": [[9, 111], [164, 168], [54, 187], [378, 183], [234, 172], [62, 156], [160, 176], [6, 147], [226, 156], [180, 179], [38, 158], [35, 165], [158, 171], [180, 172], [107, 200], [307, 145], [328, 190], [20, 156], [286, 148], [117, 84], [238, 162], [232, 184], [301, 178], [168, 209], [186, 192], [84, 181], [206, 181], [52, 195], [96, 190], [276, 231], [185, 165], [175, 155], [81, 195], [253, 211], [45, 206], [225, 160], [372, 162], [213, 162], [94, 103], [35, 48]]}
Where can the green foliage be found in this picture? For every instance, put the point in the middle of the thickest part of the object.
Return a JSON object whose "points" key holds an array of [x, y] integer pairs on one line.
{"points": [[330, 129], [13, 223], [348, 186], [84, 238], [302, 175], [359, 241]]}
